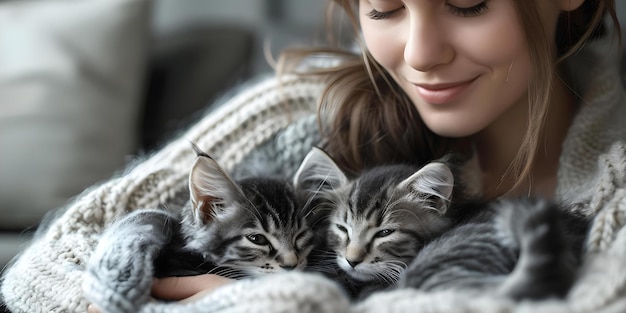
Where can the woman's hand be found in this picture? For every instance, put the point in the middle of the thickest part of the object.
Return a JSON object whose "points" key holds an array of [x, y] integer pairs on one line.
{"points": [[183, 289], [186, 288]]}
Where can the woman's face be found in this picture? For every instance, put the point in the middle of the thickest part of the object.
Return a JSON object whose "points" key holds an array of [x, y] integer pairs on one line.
{"points": [[463, 63]]}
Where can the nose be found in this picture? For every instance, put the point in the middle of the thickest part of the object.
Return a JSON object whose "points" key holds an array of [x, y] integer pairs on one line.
{"points": [[427, 44], [288, 260], [355, 254], [354, 263]]}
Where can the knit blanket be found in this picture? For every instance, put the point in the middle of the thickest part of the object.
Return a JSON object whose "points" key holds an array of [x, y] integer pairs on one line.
{"points": [[47, 276], [278, 119]]}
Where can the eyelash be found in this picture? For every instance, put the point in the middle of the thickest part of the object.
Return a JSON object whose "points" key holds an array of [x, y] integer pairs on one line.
{"points": [[377, 15], [469, 12], [463, 12]]}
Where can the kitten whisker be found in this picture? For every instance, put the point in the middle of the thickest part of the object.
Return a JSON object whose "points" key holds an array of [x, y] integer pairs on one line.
{"points": [[228, 272]]}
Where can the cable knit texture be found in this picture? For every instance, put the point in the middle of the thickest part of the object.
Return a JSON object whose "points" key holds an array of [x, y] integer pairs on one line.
{"points": [[50, 274]]}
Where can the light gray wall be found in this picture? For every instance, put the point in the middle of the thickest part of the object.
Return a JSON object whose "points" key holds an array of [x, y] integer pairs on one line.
{"points": [[173, 13], [621, 11], [281, 22]]}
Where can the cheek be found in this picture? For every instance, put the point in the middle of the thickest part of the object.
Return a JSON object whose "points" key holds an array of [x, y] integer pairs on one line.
{"points": [[401, 249], [385, 41], [501, 55], [494, 44]]}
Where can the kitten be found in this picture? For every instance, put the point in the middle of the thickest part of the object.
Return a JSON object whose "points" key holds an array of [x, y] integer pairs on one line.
{"points": [[414, 227], [249, 227], [257, 225]]}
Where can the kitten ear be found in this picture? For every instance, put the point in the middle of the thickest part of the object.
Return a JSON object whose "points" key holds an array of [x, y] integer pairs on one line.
{"points": [[210, 187], [318, 171], [432, 184]]}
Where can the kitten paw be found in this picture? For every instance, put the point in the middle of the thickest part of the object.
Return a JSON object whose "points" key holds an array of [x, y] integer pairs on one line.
{"points": [[119, 274], [544, 268]]}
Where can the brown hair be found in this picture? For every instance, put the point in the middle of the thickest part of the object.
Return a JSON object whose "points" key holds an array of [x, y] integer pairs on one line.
{"points": [[367, 119], [573, 30]]}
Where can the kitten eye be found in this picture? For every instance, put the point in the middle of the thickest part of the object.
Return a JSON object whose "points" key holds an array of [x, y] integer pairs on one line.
{"points": [[341, 228], [384, 233], [257, 239], [302, 238]]}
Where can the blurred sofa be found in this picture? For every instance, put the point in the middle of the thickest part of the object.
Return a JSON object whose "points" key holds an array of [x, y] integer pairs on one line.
{"points": [[87, 86]]}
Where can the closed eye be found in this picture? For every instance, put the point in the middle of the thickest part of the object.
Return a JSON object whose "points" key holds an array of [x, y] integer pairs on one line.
{"points": [[377, 15], [459, 11], [341, 228], [468, 12], [302, 238]]}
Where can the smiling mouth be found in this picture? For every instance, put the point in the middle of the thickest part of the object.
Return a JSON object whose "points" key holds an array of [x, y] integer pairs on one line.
{"points": [[442, 93], [443, 86]]}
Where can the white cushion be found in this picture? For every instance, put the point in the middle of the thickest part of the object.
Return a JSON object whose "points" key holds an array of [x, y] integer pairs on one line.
{"points": [[71, 75]]}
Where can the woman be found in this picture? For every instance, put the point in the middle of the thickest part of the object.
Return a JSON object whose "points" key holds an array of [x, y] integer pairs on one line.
{"points": [[464, 70], [502, 79], [456, 74]]}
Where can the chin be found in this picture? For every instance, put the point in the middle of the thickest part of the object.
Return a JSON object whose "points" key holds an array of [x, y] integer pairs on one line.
{"points": [[452, 130], [359, 275]]}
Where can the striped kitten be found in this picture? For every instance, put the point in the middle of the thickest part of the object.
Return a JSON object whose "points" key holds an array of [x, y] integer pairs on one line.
{"points": [[414, 227], [236, 229], [253, 226]]}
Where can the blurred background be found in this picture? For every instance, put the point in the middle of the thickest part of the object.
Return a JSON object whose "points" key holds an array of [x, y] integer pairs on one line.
{"points": [[86, 86], [280, 22]]}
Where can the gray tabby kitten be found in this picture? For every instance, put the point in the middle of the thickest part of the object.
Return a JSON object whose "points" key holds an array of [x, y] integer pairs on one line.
{"points": [[249, 227], [257, 225], [414, 227]]}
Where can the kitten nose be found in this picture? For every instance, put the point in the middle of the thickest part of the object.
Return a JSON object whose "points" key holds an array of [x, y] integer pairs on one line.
{"points": [[355, 254], [288, 261], [354, 263]]}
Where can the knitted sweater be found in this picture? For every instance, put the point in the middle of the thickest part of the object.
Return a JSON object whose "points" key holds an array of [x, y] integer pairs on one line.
{"points": [[50, 276]]}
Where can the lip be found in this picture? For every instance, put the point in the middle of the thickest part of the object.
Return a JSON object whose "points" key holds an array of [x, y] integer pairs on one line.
{"points": [[442, 93]]}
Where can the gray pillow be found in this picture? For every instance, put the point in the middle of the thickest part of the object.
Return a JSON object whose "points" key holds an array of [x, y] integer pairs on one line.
{"points": [[71, 74]]}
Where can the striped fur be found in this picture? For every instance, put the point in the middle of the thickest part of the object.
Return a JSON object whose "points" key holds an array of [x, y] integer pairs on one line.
{"points": [[377, 228], [378, 222], [520, 248], [405, 225], [253, 226]]}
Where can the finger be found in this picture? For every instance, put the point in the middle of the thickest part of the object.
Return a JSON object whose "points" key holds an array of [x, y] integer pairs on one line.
{"points": [[92, 309], [178, 288], [197, 296]]}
